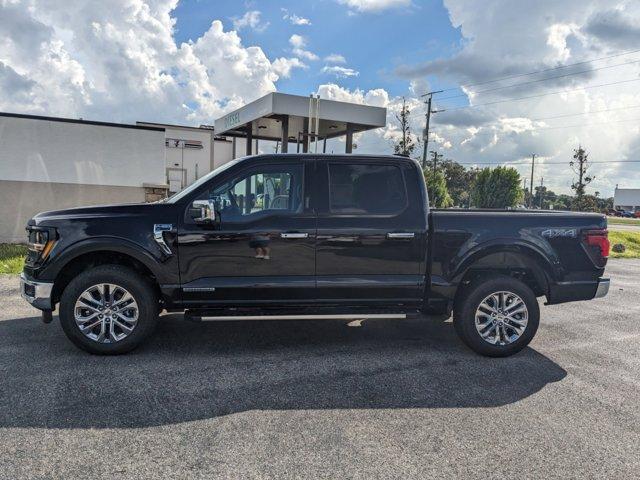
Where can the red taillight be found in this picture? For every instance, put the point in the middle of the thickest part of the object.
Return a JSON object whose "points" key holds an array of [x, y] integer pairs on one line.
{"points": [[600, 239]]}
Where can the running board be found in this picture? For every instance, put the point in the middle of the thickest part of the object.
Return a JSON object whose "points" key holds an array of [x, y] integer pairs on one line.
{"points": [[352, 316]]}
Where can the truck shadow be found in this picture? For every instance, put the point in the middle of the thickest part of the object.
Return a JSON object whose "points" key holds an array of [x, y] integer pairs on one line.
{"points": [[191, 371]]}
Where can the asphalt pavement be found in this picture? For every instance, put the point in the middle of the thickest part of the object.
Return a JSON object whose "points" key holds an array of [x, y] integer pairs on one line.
{"points": [[320, 399]]}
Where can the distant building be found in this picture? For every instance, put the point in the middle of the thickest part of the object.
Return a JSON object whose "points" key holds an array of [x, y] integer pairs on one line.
{"points": [[626, 199]]}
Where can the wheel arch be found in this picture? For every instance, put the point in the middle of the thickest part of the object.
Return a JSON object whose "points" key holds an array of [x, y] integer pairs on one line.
{"points": [[518, 260], [106, 252]]}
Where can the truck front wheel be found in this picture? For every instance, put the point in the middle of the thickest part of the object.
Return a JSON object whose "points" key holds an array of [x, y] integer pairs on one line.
{"points": [[108, 310], [496, 316]]}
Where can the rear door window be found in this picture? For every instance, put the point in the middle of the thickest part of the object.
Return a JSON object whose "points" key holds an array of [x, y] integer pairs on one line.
{"points": [[366, 189]]}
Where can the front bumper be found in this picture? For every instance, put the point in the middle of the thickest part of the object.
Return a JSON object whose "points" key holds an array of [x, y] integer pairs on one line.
{"points": [[37, 294], [603, 287]]}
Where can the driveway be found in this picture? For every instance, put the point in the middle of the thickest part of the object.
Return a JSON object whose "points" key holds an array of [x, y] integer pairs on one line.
{"points": [[319, 399]]}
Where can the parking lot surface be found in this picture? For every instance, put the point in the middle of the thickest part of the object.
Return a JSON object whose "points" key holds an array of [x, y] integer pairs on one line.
{"points": [[319, 399]]}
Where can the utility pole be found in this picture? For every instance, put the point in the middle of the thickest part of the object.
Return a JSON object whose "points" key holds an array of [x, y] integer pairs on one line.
{"points": [[425, 134], [533, 162], [436, 156], [541, 191]]}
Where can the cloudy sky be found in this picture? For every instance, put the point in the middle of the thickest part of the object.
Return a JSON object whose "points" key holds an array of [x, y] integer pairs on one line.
{"points": [[191, 61]]}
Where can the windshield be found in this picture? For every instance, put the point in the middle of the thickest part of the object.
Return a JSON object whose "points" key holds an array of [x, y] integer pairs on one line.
{"points": [[194, 186]]}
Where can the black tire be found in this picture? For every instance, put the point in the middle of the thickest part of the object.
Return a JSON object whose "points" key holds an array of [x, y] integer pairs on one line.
{"points": [[138, 286], [464, 315]]}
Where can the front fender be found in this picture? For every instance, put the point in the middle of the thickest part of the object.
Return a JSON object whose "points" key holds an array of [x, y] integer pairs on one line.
{"points": [[164, 267]]}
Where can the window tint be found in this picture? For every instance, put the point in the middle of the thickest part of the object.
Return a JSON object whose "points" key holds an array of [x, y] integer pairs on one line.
{"points": [[366, 189], [266, 190]]}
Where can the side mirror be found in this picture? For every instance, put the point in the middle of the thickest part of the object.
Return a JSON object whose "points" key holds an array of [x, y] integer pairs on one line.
{"points": [[203, 211]]}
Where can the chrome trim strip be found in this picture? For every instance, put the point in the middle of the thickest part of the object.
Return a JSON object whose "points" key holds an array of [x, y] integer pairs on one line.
{"points": [[198, 289], [391, 316], [400, 235], [603, 287], [294, 235], [158, 235]]}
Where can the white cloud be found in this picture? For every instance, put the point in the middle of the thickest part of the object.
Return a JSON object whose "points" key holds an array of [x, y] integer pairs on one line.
{"points": [[283, 66], [119, 61], [377, 97], [506, 38], [374, 5], [298, 44], [250, 19], [340, 72], [335, 58], [294, 19]]}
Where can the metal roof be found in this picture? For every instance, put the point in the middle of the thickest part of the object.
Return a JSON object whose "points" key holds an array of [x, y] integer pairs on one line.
{"points": [[265, 114]]}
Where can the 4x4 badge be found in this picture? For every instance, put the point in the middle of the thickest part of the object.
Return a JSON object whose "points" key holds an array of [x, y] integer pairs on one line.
{"points": [[559, 233]]}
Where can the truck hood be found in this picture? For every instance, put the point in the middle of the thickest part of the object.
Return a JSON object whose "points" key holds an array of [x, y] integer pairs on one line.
{"points": [[98, 211]]}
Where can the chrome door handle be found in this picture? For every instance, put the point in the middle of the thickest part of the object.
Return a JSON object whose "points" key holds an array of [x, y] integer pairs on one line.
{"points": [[400, 235], [294, 235]]}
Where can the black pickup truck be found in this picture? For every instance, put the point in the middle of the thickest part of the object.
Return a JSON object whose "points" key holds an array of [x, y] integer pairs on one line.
{"points": [[309, 236]]}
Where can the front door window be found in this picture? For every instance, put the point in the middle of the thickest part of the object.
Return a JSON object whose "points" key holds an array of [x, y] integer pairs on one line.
{"points": [[271, 190]]}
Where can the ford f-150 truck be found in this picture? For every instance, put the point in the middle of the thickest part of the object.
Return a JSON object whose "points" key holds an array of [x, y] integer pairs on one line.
{"points": [[301, 236]]}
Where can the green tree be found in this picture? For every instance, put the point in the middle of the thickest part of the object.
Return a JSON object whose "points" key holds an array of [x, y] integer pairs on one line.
{"points": [[497, 188], [459, 180], [437, 189], [585, 203], [542, 197], [580, 165], [405, 144]]}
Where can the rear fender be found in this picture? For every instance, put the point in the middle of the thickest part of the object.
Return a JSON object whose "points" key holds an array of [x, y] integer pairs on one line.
{"points": [[526, 254]]}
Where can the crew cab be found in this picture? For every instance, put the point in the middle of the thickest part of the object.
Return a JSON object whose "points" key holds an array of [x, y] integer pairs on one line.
{"points": [[301, 236]]}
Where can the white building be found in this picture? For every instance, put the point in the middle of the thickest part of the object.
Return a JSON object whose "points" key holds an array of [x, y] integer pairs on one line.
{"points": [[50, 163], [191, 152], [626, 199]]}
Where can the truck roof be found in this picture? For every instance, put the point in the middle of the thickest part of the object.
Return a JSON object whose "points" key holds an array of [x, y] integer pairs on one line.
{"points": [[336, 156]]}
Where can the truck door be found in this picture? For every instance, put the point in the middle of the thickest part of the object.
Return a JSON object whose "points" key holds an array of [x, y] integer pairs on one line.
{"points": [[371, 245], [261, 248]]}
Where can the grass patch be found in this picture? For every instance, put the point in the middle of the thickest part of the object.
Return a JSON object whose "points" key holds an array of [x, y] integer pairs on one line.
{"points": [[623, 221], [631, 240], [12, 257]]}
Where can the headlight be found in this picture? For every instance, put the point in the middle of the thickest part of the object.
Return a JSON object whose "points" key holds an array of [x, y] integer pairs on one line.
{"points": [[41, 241]]}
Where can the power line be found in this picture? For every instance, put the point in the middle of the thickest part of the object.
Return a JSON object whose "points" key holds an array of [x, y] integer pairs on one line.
{"points": [[541, 71], [538, 80], [585, 113], [537, 119], [553, 127], [543, 94], [527, 163]]}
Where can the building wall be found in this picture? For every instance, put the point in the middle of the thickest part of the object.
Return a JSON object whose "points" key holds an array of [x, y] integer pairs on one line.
{"points": [[19, 201], [50, 164], [193, 162], [222, 152], [40, 150], [626, 198]]}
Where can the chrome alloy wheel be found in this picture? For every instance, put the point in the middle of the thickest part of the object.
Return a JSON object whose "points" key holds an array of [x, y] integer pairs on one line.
{"points": [[501, 318], [106, 313]]}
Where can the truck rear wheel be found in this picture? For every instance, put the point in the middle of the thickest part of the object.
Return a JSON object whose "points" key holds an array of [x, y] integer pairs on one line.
{"points": [[108, 310], [496, 316]]}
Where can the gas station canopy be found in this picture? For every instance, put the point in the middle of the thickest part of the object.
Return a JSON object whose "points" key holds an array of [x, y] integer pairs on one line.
{"points": [[288, 118]]}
